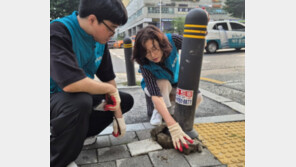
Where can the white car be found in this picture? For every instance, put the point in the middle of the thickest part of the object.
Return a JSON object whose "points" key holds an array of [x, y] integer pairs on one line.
{"points": [[225, 34]]}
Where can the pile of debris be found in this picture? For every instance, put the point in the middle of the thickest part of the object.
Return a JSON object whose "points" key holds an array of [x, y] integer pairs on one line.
{"points": [[162, 136]]}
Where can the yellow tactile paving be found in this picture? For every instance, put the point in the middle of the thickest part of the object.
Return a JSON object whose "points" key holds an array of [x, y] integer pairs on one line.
{"points": [[225, 140]]}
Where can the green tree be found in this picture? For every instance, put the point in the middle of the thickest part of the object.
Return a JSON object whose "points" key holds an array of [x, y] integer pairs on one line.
{"points": [[178, 25], [61, 8], [120, 36], [236, 8]]}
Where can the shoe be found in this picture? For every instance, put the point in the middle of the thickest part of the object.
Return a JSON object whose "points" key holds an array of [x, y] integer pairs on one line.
{"points": [[156, 118], [171, 110], [90, 140], [72, 164]]}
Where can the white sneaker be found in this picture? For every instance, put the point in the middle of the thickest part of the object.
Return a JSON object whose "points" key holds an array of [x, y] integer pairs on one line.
{"points": [[90, 140], [156, 118], [72, 164], [171, 110]]}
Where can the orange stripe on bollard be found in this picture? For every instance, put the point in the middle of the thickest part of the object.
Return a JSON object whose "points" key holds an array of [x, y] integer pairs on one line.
{"points": [[196, 26], [195, 31], [194, 36]]}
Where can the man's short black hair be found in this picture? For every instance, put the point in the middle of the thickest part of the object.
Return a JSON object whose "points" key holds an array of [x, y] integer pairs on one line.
{"points": [[112, 10]]}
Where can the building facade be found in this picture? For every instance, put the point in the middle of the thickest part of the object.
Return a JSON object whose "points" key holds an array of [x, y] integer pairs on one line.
{"points": [[144, 12]]}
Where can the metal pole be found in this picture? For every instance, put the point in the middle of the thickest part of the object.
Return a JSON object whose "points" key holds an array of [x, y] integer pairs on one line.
{"points": [[190, 67], [129, 64], [160, 16]]}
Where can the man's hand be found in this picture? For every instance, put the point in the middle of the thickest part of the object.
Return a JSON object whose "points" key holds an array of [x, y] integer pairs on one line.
{"points": [[119, 127], [179, 136], [113, 101]]}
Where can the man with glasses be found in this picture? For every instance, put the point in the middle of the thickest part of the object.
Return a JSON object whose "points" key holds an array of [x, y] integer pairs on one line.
{"points": [[110, 29], [80, 106]]}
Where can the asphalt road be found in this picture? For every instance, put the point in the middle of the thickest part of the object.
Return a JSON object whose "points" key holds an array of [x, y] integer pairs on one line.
{"points": [[226, 71]]}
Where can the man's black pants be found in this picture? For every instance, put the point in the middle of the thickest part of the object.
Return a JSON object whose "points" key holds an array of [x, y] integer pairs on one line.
{"points": [[72, 119]]}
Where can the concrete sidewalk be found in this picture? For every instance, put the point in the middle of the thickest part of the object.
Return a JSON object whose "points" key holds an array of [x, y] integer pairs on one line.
{"points": [[137, 148]]}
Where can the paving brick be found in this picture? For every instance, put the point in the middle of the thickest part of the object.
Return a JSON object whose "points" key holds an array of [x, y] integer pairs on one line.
{"points": [[127, 138], [141, 161], [129, 128], [147, 125], [113, 153], [87, 157], [107, 131], [102, 141], [214, 166], [90, 140], [205, 158], [143, 146], [143, 134], [168, 158], [135, 127], [103, 164]]}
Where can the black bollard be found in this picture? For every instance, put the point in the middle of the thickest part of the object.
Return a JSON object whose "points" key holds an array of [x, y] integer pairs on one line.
{"points": [[129, 64], [190, 67]]}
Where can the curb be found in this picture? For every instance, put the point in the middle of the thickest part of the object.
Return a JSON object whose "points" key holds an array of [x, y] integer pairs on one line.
{"points": [[225, 101], [233, 105]]}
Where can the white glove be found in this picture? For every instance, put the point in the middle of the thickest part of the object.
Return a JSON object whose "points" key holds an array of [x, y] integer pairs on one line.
{"points": [[118, 128], [113, 101], [179, 136]]}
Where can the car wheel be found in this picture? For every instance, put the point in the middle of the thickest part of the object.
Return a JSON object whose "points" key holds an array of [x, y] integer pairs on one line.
{"points": [[237, 49], [211, 47]]}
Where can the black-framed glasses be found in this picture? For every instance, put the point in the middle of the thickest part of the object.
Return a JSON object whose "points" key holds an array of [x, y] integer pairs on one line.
{"points": [[110, 29]]}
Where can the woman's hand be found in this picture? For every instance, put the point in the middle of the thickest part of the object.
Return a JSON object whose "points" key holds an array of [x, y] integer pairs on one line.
{"points": [[179, 136]]}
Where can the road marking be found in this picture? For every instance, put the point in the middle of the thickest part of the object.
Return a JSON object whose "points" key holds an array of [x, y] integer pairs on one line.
{"points": [[112, 53], [211, 80]]}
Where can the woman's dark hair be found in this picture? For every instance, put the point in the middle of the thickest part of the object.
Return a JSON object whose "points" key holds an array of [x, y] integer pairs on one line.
{"points": [[150, 32], [112, 10]]}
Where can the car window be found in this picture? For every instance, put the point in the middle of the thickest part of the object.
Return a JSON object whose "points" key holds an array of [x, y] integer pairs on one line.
{"points": [[237, 27], [224, 25]]}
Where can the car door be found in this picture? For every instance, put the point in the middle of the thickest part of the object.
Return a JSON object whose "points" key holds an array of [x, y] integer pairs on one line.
{"points": [[237, 33]]}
